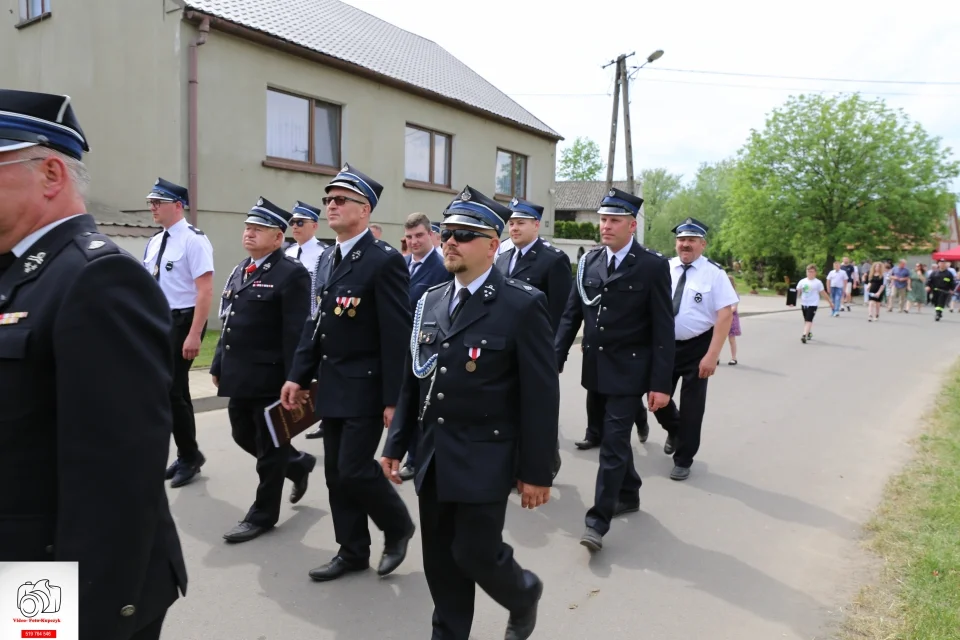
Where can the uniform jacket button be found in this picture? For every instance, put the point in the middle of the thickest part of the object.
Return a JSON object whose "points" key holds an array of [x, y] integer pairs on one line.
{"points": [[49, 548], [324, 358], [599, 348], [601, 328], [323, 336], [233, 313], [496, 432], [483, 342], [227, 347], [439, 396], [128, 611], [439, 420], [446, 345], [443, 369]]}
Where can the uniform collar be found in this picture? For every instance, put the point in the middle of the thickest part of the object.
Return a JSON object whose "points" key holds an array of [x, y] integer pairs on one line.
{"points": [[21, 247], [621, 254], [347, 245], [696, 264], [473, 286]]}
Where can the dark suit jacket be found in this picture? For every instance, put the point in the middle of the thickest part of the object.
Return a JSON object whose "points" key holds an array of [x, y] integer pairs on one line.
{"points": [[486, 428], [264, 317], [628, 337], [357, 359], [430, 273], [546, 268], [85, 425]]}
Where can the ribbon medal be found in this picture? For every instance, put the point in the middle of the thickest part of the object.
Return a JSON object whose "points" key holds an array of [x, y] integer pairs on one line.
{"points": [[474, 353]]}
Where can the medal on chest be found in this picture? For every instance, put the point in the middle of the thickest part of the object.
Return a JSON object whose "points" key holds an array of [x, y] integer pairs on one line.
{"points": [[474, 353]]}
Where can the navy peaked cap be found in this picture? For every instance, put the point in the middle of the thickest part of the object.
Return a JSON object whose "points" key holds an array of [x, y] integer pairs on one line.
{"points": [[29, 119]]}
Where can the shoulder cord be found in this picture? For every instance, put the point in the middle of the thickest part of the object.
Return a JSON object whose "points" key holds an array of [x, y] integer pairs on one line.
{"points": [[422, 370], [226, 284], [583, 294]]}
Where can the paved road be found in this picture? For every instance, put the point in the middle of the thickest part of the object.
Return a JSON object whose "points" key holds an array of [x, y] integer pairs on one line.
{"points": [[762, 542]]}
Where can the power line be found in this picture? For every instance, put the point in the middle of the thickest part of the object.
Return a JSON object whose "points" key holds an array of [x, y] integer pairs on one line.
{"points": [[806, 89], [761, 75]]}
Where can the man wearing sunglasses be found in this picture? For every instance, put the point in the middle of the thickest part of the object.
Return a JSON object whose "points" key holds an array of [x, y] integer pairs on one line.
{"points": [[353, 345], [482, 393], [86, 364], [622, 298]]}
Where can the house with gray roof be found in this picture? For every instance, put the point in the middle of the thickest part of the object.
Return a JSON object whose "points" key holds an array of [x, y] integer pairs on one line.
{"points": [[238, 99], [578, 200]]}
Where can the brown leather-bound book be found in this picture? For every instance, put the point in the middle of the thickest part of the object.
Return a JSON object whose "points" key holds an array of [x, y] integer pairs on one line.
{"points": [[285, 425]]}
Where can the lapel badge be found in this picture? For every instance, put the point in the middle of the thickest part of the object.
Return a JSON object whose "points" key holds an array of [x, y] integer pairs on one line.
{"points": [[266, 267], [33, 262], [169, 266], [528, 287], [698, 297], [12, 318], [474, 353], [356, 255], [96, 244], [488, 290]]}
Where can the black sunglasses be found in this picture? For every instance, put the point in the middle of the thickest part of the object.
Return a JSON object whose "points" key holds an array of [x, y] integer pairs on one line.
{"points": [[340, 200], [299, 222], [462, 235]]}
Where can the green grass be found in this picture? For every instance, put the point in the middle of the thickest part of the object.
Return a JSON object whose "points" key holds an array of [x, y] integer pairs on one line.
{"points": [[207, 347], [916, 532]]}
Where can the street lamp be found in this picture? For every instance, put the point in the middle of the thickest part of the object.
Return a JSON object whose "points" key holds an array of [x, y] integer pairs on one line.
{"points": [[655, 55]]}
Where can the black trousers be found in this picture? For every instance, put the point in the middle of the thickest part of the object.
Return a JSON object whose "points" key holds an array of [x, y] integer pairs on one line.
{"points": [[617, 477], [940, 298], [684, 424], [274, 464], [595, 416], [358, 488], [463, 547], [184, 424], [151, 631]]}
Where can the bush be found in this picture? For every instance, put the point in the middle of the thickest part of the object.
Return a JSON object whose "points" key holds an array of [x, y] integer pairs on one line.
{"points": [[576, 230]]}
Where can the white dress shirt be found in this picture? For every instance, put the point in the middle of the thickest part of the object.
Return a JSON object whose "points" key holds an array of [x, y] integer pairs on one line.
{"points": [[706, 291], [186, 256], [472, 288], [620, 255], [519, 253], [309, 252]]}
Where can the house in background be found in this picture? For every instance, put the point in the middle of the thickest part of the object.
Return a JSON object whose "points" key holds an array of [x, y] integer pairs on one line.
{"points": [[237, 99], [578, 200]]}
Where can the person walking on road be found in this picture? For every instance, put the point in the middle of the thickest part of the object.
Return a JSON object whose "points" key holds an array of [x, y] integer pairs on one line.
{"points": [[810, 290]]}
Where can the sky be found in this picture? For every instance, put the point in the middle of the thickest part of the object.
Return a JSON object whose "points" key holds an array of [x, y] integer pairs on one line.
{"points": [[550, 61]]}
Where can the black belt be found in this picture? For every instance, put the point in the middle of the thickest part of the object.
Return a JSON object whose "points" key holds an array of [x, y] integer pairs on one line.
{"points": [[697, 337], [183, 312]]}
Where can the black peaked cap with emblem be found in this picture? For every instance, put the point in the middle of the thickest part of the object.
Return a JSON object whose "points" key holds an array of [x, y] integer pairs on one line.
{"points": [[691, 228], [352, 179], [620, 203], [29, 119], [166, 191], [473, 209], [267, 214]]}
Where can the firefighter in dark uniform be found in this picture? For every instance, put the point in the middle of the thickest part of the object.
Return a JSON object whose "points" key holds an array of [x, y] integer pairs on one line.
{"points": [[941, 284], [534, 262], [353, 347], [482, 393], [264, 306], [622, 298], [86, 368], [703, 300]]}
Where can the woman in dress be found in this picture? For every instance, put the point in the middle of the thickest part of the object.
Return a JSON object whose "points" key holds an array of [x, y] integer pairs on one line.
{"points": [[917, 288], [734, 328], [876, 286]]}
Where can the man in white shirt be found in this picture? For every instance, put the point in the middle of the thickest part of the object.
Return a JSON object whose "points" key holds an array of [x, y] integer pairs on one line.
{"points": [[180, 258], [838, 281], [703, 300], [303, 226]]}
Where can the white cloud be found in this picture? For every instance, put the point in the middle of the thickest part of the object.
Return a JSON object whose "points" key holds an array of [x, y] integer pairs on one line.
{"points": [[536, 47]]}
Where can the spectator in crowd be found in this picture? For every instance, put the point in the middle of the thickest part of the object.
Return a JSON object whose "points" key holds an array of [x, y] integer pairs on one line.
{"points": [[918, 282], [837, 280], [899, 281], [875, 291], [735, 330]]}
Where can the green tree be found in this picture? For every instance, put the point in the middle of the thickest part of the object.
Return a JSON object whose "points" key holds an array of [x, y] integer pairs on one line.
{"points": [[827, 173], [580, 161], [659, 186]]}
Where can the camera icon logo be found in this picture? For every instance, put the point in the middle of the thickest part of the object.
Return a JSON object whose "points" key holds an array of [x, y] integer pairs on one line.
{"points": [[34, 598]]}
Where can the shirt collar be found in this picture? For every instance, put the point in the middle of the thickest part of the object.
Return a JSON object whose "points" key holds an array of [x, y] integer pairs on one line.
{"points": [[621, 254], [21, 247], [179, 227], [527, 248], [473, 286], [347, 245], [695, 264]]}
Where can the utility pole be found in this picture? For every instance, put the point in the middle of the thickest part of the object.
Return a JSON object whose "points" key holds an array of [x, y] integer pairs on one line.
{"points": [[619, 78], [626, 126]]}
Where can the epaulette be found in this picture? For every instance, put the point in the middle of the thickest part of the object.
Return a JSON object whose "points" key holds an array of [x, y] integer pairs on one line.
{"points": [[291, 259], [597, 248], [385, 246], [716, 264], [93, 245], [516, 284], [195, 230], [437, 286]]}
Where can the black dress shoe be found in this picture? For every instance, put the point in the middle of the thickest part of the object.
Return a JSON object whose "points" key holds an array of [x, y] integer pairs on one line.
{"points": [[669, 446], [300, 486], [187, 471], [244, 531], [316, 433], [336, 568], [557, 463], [680, 473], [172, 469], [643, 430], [624, 507], [394, 553], [585, 444], [407, 472], [520, 626], [592, 539]]}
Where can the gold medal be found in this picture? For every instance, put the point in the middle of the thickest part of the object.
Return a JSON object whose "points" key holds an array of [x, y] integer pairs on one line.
{"points": [[351, 312], [337, 311], [471, 366]]}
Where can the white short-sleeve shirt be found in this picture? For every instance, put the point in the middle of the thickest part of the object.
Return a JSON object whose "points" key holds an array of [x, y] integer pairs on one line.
{"points": [[187, 255], [706, 291], [307, 253]]}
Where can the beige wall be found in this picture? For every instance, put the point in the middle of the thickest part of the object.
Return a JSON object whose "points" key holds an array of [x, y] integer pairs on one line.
{"points": [[121, 64]]}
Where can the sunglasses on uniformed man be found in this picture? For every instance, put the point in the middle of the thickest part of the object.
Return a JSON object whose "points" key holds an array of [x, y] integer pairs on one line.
{"points": [[462, 235], [340, 200]]}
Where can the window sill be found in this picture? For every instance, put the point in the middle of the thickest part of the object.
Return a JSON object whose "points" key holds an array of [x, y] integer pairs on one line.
{"points": [[27, 23], [426, 186], [303, 167]]}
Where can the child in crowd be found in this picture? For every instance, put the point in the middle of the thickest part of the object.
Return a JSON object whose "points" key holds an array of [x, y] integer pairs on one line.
{"points": [[809, 290], [734, 328]]}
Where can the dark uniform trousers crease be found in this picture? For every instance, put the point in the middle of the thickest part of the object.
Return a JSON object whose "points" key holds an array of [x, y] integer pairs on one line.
{"points": [[684, 423]]}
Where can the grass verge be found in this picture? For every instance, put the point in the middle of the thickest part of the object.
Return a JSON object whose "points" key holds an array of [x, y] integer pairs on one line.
{"points": [[207, 347], [916, 532]]}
